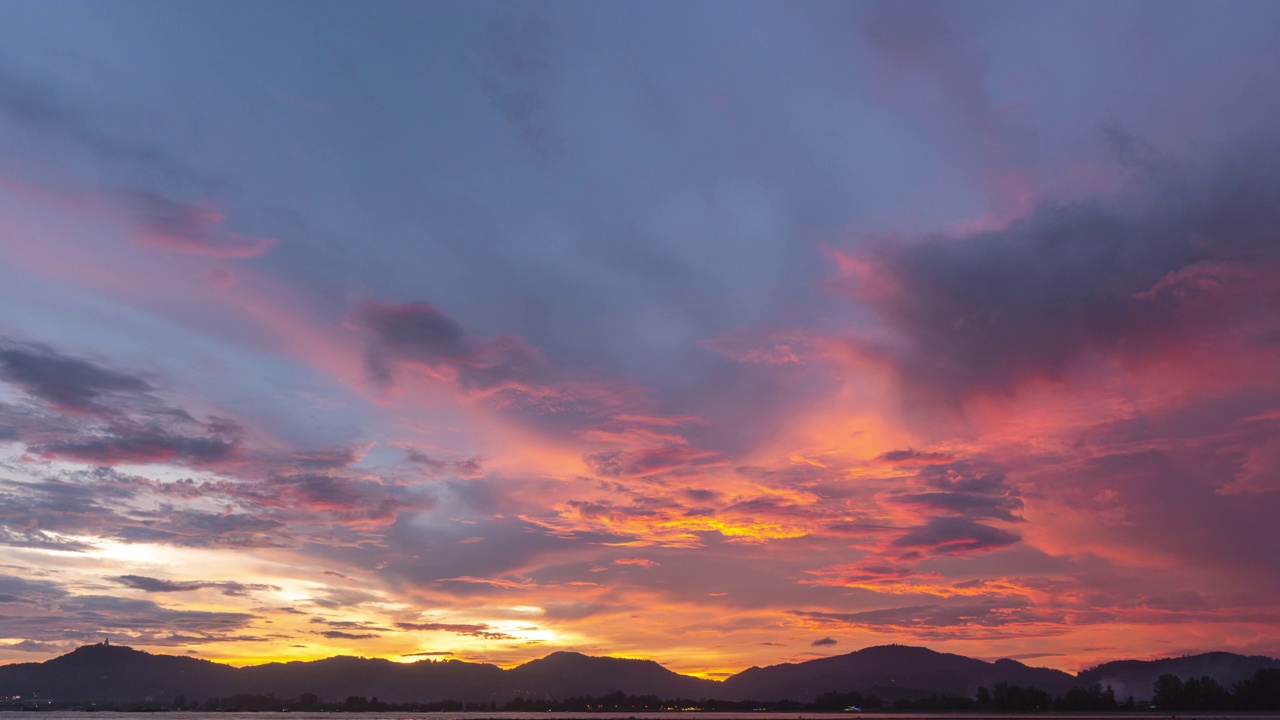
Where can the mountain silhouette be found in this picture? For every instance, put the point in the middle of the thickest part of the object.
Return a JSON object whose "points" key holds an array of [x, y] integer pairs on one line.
{"points": [[112, 673], [115, 673], [891, 672], [339, 677], [567, 674]]}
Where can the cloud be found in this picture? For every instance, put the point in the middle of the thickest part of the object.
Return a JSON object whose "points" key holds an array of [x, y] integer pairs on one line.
{"points": [[19, 589], [193, 528], [67, 383], [420, 334], [1185, 255], [642, 562], [35, 647], [471, 468], [191, 229], [59, 513], [356, 502], [131, 445], [954, 536], [341, 635], [964, 491], [103, 416], [479, 630], [989, 620], [61, 617], [41, 540], [966, 504], [649, 461], [911, 456], [820, 642], [157, 585]]}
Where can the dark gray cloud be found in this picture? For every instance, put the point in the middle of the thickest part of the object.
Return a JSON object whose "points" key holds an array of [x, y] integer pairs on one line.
{"points": [[132, 614], [40, 539], [910, 455], [966, 504], [1187, 254], [948, 621], [36, 647], [62, 617], [191, 528], [472, 467], [343, 635], [954, 536], [421, 333], [102, 416], [349, 624], [479, 630], [106, 504], [158, 585], [965, 491], [821, 642], [68, 383], [20, 589], [341, 501], [129, 444], [330, 458]]}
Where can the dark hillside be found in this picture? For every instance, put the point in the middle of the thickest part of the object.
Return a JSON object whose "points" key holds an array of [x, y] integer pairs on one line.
{"points": [[892, 672], [1137, 677]]}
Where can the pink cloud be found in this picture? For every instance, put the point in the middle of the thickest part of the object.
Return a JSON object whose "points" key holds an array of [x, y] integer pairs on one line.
{"points": [[193, 229]]}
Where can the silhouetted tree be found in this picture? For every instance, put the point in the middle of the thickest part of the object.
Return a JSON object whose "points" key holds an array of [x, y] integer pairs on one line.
{"points": [[1203, 693], [1088, 699], [835, 701], [1167, 692], [1260, 692], [1016, 698]]}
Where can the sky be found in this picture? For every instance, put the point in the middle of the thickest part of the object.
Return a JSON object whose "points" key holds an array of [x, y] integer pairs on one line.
{"points": [[722, 334]]}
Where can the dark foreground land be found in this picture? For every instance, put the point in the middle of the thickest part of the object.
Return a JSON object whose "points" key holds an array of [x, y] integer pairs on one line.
{"points": [[893, 679], [689, 715]]}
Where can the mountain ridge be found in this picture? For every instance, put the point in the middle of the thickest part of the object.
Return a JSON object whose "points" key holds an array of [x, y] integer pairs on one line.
{"points": [[114, 673]]}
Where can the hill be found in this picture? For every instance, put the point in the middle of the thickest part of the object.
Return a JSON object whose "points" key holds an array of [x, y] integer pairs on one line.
{"points": [[567, 674], [891, 672], [337, 678], [1136, 677], [103, 673], [106, 673], [116, 673]]}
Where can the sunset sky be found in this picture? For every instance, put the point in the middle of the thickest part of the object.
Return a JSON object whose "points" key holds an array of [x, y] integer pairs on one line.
{"points": [[722, 334]]}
